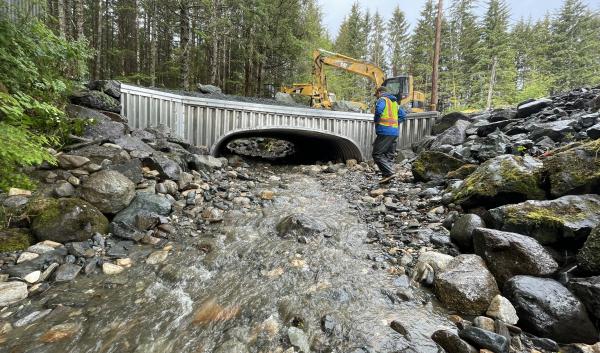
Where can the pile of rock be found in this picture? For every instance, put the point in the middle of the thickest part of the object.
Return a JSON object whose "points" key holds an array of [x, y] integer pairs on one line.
{"points": [[527, 181], [118, 188]]}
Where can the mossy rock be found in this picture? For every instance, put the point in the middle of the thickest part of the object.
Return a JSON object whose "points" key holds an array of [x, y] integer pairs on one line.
{"points": [[462, 172], [434, 165], [96, 100], [66, 220], [588, 257], [566, 221], [574, 170], [14, 239], [501, 180]]}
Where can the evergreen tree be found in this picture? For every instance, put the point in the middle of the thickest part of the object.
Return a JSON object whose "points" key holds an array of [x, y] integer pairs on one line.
{"points": [[575, 46], [377, 43], [398, 41], [421, 48]]}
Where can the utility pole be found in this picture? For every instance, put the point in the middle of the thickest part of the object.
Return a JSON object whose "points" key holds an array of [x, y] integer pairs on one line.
{"points": [[436, 57]]}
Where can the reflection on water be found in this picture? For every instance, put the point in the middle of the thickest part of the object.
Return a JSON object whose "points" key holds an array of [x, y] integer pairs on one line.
{"points": [[240, 288]]}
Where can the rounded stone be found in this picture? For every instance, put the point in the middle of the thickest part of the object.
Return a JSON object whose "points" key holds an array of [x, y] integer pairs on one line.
{"points": [[108, 190]]}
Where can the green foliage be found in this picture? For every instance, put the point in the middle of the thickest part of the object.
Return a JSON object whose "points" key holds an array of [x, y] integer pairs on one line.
{"points": [[35, 71]]}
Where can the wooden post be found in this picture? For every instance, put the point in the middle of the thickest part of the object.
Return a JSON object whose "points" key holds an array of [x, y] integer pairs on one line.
{"points": [[436, 57]]}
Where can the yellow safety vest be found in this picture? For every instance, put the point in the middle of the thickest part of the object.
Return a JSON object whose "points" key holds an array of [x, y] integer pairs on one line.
{"points": [[389, 117]]}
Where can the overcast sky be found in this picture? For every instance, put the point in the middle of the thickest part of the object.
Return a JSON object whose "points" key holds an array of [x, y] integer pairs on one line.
{"points": [[335, 10]]}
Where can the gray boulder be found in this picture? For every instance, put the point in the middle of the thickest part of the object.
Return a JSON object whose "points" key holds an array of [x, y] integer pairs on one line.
{"points": [[434, 165], [451, 343], [484, 339], [284, 98], [168, 168], [99, 153], [462, 231], [528, 108], [132, 169], [510, 254], [301, 225], [108, 190], [66, 220], [110, 87], [12, 292], [447, 121], [204, 162], [96, 100], [455, 135], [594, 132], [151, 203], [130, 143], [490, 146], [556, 130], [209, 89], [574, 170], [501, 180], [547, 309], [588, 291], [588, 257], [99, 126], [466, 285], [567, 219]]}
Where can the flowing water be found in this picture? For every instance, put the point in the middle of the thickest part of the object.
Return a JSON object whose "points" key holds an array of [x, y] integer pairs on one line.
{"points": [[240, 287]]}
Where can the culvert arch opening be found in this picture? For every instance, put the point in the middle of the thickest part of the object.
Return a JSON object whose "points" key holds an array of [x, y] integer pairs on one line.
{"points": [[298, 146]]}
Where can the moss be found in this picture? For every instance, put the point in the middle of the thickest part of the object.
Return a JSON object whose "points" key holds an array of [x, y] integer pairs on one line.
{"points": [[462, 172], [574, 170], [14, 240], [434, 165]]}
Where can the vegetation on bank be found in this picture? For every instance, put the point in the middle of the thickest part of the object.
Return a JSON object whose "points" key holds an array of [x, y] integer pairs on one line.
{"points": [[37, 70]]}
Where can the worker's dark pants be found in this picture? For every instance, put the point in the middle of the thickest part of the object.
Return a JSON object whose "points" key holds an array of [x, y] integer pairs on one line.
{"points": [[384, 153]]}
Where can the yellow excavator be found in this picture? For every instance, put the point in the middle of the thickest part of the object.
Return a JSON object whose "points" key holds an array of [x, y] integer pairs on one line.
{"points": [[401, 86]]}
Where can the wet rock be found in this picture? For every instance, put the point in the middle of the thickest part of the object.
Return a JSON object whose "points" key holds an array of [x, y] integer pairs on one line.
{"points": [[60, 332], [167, 168], [126, 231], [96, 100], [501, 309], [32, 317], [484, 339], [466, 285], [111, 269], [301, 225], [501, 180], [510, 254], [548, 309], [298, 339], [588, 291], [110, 87], [151, 203], [556, 130], [97, 154], [462, 231], [588, 257], [68, 219], [451, 343], [80, 249], [566, 219], [14, 239], [27, 256], [108, 190], [32, 277], [12, 292], [484, 323], [526, 109], [491, 146], [447, 121], [433, 165], [486, 129], [575, 170], [462, 172], [212, 214], [157, 257], [66, 272]]}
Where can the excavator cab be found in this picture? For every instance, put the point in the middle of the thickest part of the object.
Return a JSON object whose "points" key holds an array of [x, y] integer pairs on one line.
{"points": [[402, 87]]}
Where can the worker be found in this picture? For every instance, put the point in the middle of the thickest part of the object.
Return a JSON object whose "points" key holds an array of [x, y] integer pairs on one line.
{"points": [[388, 115]]}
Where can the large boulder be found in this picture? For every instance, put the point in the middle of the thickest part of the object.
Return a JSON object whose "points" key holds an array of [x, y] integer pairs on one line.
{"points": [[546, 308], [132, 169], [447, 121], [490, 146], [144, 202], [301, 225], [110, 87], [556, 130], [588, 257], [12, 292], [568, 220], [284, 98], [593, 132], [209, 89], [530, 107], [434, 165], [204, 162], [167, 167], [510, 254], [576, 170], [588, 291], [466, 285], [462, 230], [455, 135], [14, 239], [66, 220], [96, 100], [108, 190], [97, 154], [130, 143], [98, 126], [501, 180]]}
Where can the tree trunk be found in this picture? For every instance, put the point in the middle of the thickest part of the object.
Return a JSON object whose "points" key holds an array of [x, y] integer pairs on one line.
{"points": [[79, 19], [184, 22], [215, 44], [98, 42], [153, 45], [62, 19], [492, 84]]}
